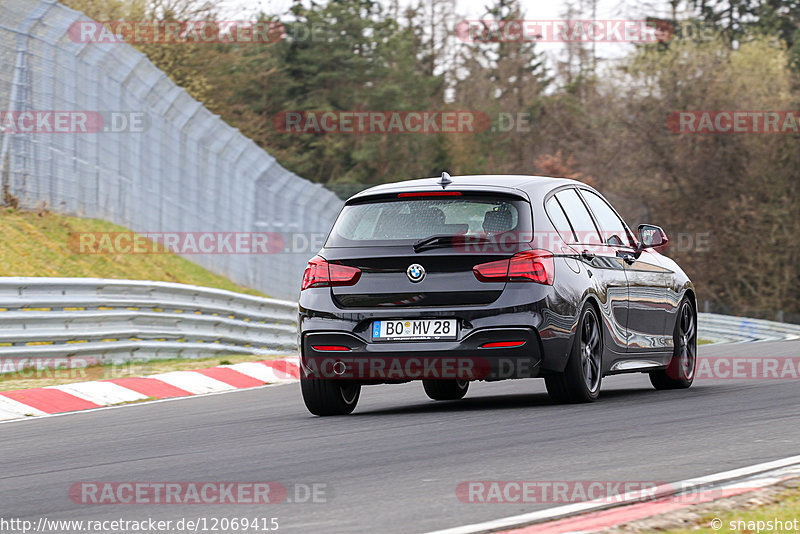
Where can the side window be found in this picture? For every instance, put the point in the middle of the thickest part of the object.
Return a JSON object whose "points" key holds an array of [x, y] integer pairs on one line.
{"points": [[612, 227], [579, 216], [559, 220]]}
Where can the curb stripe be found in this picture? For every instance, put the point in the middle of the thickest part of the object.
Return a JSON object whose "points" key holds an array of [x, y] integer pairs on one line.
{"points": [[102, 393], [193, 382], [601, 520], [756, 475], [150, 387], [253, 370], [289, 369], [231, 377], [49, 400], [11, 409], [79, 396], [5, 415]]}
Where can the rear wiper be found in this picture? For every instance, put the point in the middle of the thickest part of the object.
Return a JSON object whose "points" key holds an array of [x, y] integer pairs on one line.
{"points": [[446, 240]]}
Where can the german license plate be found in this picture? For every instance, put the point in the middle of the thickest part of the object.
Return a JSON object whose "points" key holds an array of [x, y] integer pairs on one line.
{"points": [[411, 329]]}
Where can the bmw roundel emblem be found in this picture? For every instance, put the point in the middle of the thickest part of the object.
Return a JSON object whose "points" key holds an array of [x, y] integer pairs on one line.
{"points": [[415, 272]]}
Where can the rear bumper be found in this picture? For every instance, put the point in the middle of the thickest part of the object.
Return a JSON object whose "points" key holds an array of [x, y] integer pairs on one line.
{"points": [[466, 358]]}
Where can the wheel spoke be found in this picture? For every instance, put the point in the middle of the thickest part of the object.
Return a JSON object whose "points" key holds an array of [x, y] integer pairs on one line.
{"points": [[687, 341], [595, 340], [590, 351]]}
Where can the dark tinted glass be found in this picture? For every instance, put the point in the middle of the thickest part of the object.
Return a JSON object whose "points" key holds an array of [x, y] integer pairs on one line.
{"points": [[579, 216], [613, 228], [396, 221], [559, 220]]}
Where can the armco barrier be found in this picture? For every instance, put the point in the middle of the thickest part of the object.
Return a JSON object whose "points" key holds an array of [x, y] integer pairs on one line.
{"points": [[120, 320], [726, 328]]}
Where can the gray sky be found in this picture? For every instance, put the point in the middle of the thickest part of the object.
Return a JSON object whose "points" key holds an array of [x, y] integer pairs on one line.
{"points": [[533, 9], [538, 9]]}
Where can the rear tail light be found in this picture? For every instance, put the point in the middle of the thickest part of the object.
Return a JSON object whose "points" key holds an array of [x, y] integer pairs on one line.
{"points": [[528, 266], [330, 348], [320, 273]]}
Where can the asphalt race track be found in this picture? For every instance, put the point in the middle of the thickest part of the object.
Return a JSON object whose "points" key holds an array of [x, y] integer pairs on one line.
{"points": [[393, 466]]}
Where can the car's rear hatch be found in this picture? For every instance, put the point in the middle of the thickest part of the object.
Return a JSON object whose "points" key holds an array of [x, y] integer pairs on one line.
{"points": [[394, 239]]}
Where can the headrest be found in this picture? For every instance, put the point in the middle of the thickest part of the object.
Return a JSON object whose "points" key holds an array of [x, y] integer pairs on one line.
{"points": [[495, 222]]}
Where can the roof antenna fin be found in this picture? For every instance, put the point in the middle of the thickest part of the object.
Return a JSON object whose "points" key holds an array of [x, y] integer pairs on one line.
{"points": [[445, 181]]}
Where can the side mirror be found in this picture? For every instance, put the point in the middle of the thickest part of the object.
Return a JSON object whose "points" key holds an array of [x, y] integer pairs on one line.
{"points": [[651, 236]]}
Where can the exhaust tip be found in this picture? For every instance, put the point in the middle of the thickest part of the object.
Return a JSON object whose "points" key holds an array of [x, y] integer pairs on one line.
{"points": [[339, 368]]}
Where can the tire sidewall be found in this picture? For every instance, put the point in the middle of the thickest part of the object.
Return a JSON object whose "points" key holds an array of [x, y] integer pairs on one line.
{"points": [[675, 368], [575, 365]]}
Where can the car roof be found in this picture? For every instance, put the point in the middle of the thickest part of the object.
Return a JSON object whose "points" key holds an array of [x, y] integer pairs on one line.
{"points": [[513, 183]]}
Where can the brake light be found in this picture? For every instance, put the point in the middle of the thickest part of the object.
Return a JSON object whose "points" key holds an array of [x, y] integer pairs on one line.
{"points": [[532, 265], [527, 266], [430, 194], [494, 271], [320, 273]]}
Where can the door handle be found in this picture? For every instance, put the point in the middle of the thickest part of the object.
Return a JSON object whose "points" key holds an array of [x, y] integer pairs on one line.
{"points": [[629, 259], [586, 255]]}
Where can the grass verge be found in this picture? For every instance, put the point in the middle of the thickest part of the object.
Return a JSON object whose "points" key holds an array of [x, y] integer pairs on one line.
{"points": [[748, 513], [38, 244], [785, 508]]}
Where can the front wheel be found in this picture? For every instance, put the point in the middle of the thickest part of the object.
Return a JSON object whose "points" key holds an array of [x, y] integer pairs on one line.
{"points": [[679, 374], [329, 396], [581, 379], [445, 389]]}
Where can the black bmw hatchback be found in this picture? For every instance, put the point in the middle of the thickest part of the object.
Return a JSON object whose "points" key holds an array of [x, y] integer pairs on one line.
{"points": [[450, 280]]}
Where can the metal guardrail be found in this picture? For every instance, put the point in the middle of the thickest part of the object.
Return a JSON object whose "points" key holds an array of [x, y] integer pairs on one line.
{"points": [[120, 320], [729, 329]]}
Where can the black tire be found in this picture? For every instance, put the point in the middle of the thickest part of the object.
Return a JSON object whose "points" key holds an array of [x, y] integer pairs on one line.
{"points": [[556, 389], [679, 374], [583, 375], [329, 397], [445, 389]]}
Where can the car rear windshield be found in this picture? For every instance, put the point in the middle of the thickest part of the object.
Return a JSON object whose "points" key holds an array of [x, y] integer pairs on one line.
{"points": [[407, 220]]}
